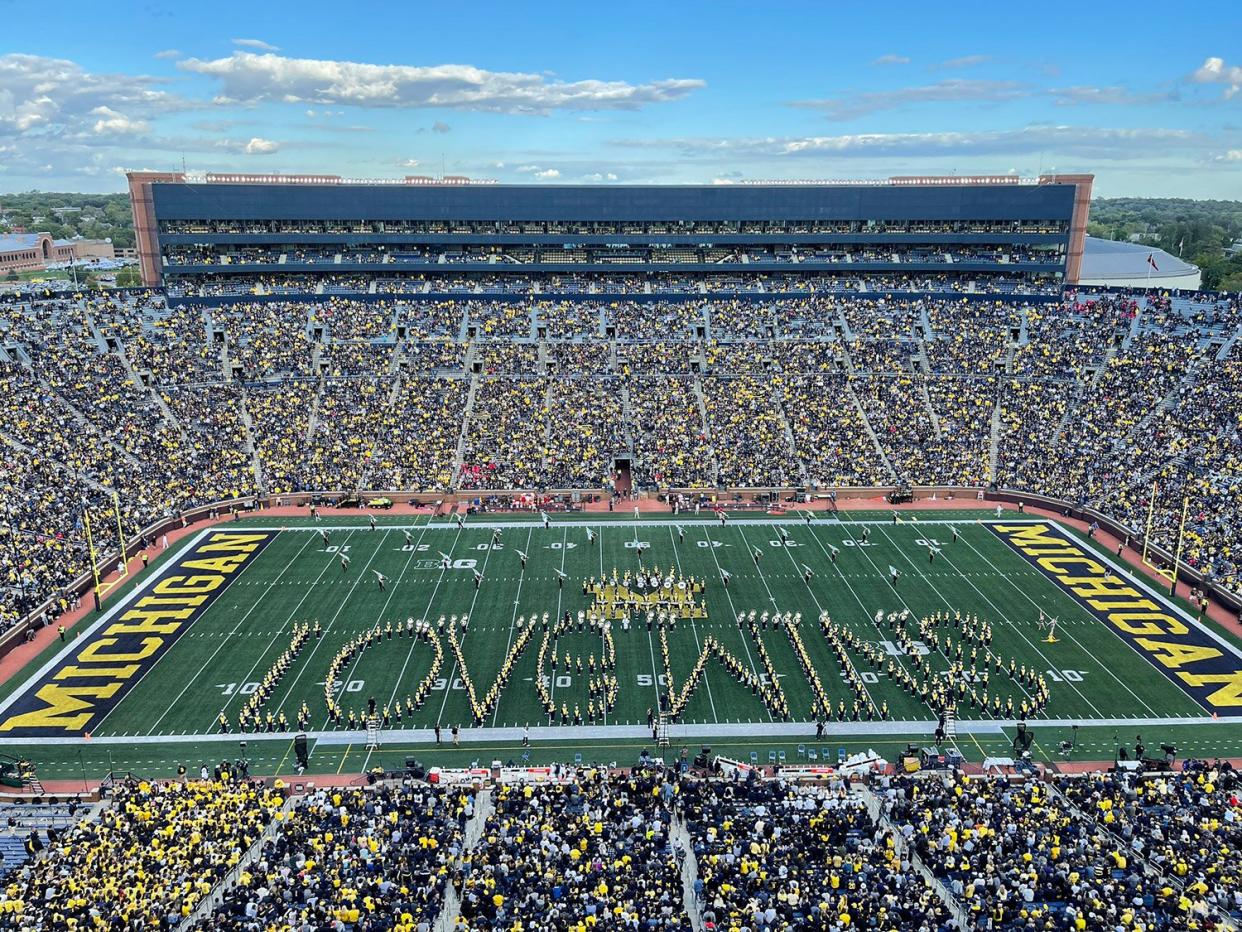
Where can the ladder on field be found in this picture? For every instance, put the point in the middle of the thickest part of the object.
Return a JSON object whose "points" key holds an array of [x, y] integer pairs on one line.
{"points": [[662, 731], [373, 727], [950, 725]]}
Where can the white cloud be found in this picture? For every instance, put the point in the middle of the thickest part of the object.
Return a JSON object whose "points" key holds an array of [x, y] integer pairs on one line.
{"points": [[892, 60], [168, 53], [112, 122], [1233, 155], [1114, 94], [1215, 71], [949, 90], [410, 163], [255, 145], [548, 173], [54, 98], [964, 61], [1086, 142], [248, 78], [600, 176], [259, 146], [256, 44]]}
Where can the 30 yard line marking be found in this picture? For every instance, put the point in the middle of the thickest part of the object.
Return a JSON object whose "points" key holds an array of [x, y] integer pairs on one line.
{"points": [[820, 607], [448, 686], [866, 612], [517, 597], [556, 620]]}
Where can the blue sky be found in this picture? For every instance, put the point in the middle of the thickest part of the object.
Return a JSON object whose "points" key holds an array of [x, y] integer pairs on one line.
{"points": [[1146, 96]]}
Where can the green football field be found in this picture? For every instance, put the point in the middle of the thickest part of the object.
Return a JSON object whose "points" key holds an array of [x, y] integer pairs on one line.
{"points": [[1098, 672]]}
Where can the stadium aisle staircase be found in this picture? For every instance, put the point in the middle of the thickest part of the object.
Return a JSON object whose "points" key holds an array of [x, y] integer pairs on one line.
{"points": [[679, 836], [207, 905], [707, 432], [875, 440], [255, 465], [447, 920], [876, 810], [459, 455]]}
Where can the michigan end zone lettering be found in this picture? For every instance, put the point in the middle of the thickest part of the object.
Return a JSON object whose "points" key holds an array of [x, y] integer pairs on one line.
{"points": [[90, 680], [1186, 653]]}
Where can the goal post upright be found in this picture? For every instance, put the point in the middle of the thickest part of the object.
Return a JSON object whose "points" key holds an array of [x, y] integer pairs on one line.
{"points": [[90, 544], [1181, 541], [1151, 512], [120, 534]]}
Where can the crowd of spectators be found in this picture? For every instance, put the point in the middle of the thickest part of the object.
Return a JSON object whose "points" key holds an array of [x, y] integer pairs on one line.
{"points": [[375, 857], [659, 847], [589, 853], [1021, 855], [1093, 399], [773, 856], [146, 861]]}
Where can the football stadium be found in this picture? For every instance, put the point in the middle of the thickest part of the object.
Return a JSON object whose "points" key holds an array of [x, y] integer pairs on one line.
{"points": [[434, 553]]}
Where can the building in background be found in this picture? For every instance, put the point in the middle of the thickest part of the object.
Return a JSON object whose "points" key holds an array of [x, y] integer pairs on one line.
{"points": [[35, 252], [223, 235], [1112, 263]]}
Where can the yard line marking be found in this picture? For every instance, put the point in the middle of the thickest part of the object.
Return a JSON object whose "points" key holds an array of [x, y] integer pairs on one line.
{"points": [[331, 621], [811, 591], [556, 620], [1068, 633], [448, 686], [866, 612], [517, 597], [224, 641], [732, 607], [693, 627], [384, 608]]}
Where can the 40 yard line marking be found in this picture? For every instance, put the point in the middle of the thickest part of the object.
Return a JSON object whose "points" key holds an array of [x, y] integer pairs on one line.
{"points": [[693, 627], [711, 548]]}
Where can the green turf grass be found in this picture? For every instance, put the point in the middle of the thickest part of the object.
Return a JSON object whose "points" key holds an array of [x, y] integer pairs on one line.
{"points": [[1094, 675]]}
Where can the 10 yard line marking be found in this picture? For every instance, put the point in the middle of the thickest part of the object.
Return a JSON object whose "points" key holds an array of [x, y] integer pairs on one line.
{"points": [[1068, 634], [328, 627], [224, 641]]}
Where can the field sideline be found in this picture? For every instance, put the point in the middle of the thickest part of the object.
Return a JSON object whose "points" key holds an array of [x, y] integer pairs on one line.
{"points": [[1094, 675]]}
